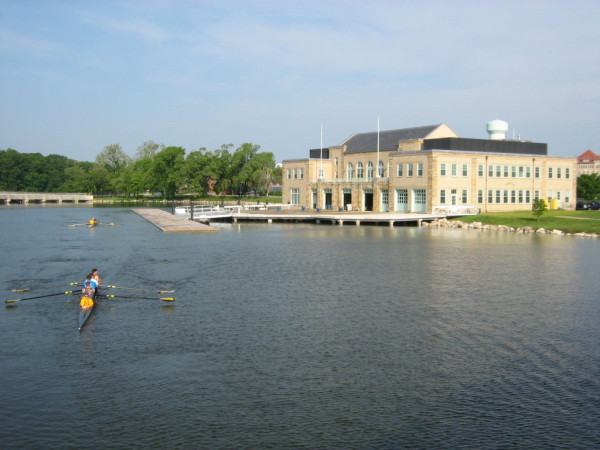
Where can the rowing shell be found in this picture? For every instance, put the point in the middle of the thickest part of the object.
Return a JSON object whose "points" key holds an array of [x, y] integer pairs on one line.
{"points": [[86, 311]]}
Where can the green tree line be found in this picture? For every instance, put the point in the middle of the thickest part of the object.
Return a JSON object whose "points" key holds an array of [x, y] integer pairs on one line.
{"points": [[155, 168]]}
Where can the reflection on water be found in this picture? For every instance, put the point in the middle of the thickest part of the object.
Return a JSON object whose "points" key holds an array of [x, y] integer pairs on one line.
{"points": [[300, 335]]}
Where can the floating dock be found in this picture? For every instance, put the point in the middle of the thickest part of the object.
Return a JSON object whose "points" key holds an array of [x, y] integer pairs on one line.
{"points": [[169, 223]]}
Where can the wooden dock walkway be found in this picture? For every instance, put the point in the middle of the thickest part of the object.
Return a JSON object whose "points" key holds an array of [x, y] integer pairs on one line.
{"points": [[170, 223]]}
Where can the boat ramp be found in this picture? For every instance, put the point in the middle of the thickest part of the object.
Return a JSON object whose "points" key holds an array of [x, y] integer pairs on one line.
{"points": [[169, 222]]}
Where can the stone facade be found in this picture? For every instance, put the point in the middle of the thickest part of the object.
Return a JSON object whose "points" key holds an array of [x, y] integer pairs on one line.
{"points": [[404, 176]]}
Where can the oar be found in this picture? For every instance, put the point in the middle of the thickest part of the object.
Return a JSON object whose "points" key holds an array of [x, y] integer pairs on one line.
{"points": [[44, 287], [39, 296], [165, 299], [106, 223], [158, 291]]}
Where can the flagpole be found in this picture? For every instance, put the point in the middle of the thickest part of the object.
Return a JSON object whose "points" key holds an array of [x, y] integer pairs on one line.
{"points": [[377, 162], [321, 168]]}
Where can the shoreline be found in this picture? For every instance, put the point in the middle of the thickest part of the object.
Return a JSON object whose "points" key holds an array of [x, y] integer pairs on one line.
{"points": [[457, 224]]}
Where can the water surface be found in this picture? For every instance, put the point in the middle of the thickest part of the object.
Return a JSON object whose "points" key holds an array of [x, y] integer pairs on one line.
{"points": [[298, 335]]}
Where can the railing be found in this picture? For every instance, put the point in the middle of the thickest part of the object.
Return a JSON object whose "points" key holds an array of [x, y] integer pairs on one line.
{"points": [[455, 210], [350, 180]]}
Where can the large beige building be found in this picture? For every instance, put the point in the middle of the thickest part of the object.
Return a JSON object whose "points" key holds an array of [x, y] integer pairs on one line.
{"points": [[588, 163], [425, 168]]}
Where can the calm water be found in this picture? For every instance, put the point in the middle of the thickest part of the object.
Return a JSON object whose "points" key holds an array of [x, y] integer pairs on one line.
{"points": [[298, 336]]}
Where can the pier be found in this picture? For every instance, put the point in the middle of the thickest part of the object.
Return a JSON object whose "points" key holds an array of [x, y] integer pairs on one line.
{"points": [[338, 218], [170, 223], [8, 198]]}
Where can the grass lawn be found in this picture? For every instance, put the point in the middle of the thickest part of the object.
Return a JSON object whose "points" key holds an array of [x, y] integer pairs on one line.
{"points": [[567, 221]]}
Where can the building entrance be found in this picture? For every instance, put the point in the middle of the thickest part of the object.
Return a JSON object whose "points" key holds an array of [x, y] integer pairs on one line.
{"points": [[368, 201], [347, 200]]}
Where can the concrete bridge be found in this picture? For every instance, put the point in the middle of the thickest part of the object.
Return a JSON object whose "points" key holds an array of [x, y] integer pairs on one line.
{"points": [[7, 198]]}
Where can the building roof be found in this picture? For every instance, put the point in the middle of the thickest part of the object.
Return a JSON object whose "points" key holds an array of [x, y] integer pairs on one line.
{"points": [[388, 140], [587, 156]]}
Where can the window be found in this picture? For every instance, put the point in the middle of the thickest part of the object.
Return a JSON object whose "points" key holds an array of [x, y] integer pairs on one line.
{"points": [[498, 196], [443, 170], [567, 173], [528, 172], [490, 171], [289, 174], [381, 169], [399, 170], [521, 171], [465, 196], [549, 172], [528, 197], [443, 196], [359, 171], [321, 173], [295, 197], [350, 171], [505, 171], [498, 171], [465, 170], [454, 170], [567, 195], [301, 174], [558, 172], [490, 196], [480, 196], [369, 171], [419, 169], [558, 193], [506, 196], [295, 174], [514, 171], [409, 170], [536, 195], [537, 172], [520, 196], [480, 172], [513, 196]]}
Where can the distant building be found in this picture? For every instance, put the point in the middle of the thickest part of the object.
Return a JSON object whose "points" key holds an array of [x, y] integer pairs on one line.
{"points": [[587, 163], [419, 169]]}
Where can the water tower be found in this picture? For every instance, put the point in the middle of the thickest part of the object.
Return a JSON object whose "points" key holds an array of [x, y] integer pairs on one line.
{"points": [[497, 129]]}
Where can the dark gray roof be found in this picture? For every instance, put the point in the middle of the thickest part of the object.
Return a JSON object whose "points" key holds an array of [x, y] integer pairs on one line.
{"points": [[388, 140]]}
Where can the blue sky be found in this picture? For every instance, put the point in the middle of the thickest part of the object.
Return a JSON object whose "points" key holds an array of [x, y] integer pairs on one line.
{"points": [[79, 75]]}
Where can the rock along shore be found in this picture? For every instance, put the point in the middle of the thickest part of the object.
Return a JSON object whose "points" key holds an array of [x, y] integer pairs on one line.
{"points": [[445, 223]]}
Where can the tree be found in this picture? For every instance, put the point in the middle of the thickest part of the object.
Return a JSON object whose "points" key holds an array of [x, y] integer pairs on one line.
{"points": [[539, 206], [168, 171], [113, 158], [221, 169], [199, 171], [588, 187], [148, 150]]}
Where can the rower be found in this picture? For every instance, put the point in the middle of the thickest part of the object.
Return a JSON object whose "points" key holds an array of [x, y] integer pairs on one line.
{"points": [[87, 299], [90, 279], [93, 222], [96, 277]]}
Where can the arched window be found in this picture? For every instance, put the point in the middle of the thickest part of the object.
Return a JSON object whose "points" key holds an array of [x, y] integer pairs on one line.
{"points": [[381, 169], [350, 172], [359, 171], [369, 171]]}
